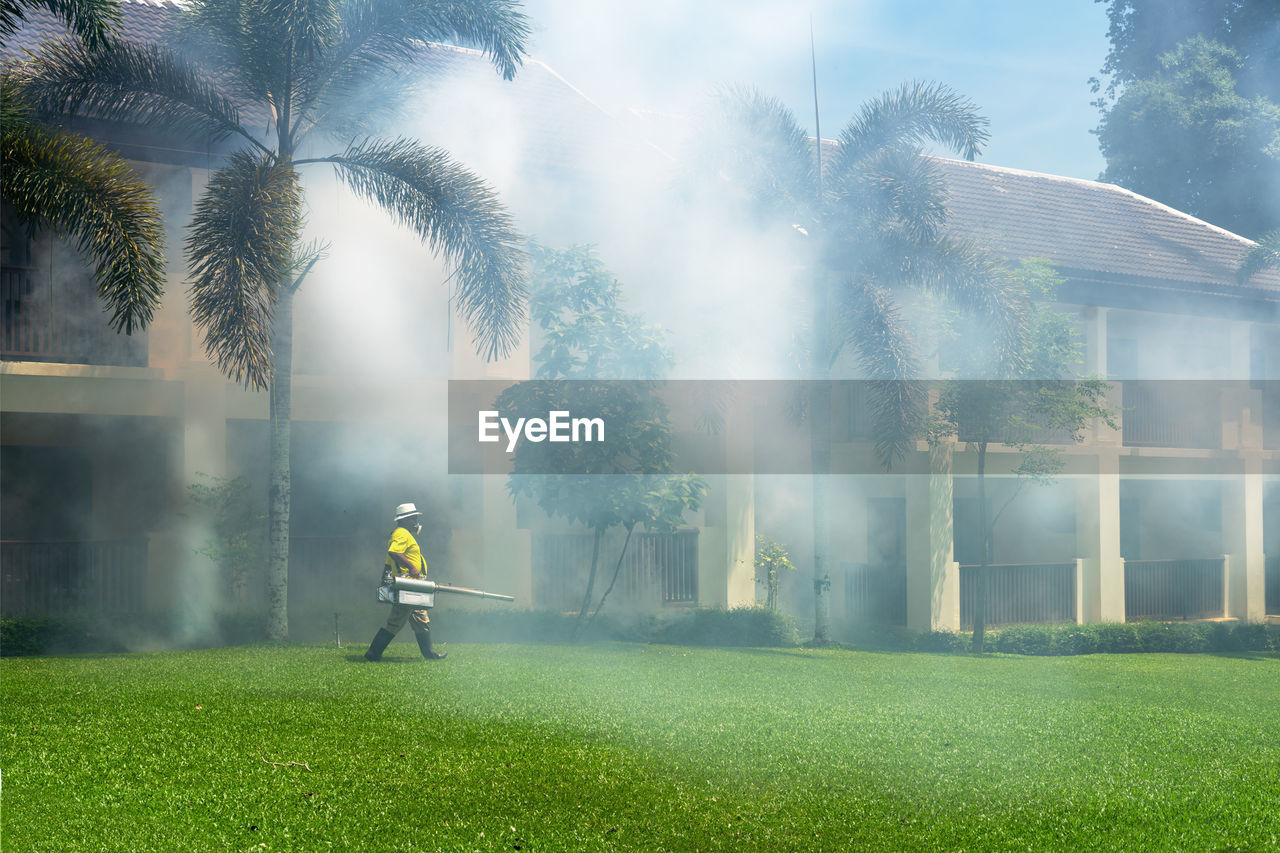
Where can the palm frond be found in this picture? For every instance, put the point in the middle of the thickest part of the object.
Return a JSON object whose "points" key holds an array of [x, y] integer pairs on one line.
{"points": [[976, 281], [84, 190], [240, 248], [382, 39], [913, 114], [92, 21], [144, 85], [752, 146], [871, 322], [456, 215], [894, 190], [270, 47], [388, 30], [1264, 255]]}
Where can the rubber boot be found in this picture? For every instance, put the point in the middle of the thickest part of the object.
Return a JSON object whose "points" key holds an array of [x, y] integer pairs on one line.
{"points": [[379, 643], [424, 645]]}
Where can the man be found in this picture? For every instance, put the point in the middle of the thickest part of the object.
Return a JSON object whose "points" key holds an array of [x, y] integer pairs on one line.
{"points": [[404, 558]]}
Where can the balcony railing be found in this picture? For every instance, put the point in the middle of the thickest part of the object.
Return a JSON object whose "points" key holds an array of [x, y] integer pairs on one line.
{"points": [[1175, 589], [658, 568], [1019, 593], [1172, 414], [52, 577], [875, 594], [35, 327], [331, 570]]}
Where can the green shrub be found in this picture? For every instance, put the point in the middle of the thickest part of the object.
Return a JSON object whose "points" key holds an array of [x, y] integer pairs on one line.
{"points": [[1076, 640], [864, 635], [740, 626], [1171, 637], [28, 635], [940, 641], [1118, 638], [1025, 640], [1254, 638]]}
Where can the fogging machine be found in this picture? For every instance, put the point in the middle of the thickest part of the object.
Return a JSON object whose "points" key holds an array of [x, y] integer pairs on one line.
{"points": [[422, 593]]}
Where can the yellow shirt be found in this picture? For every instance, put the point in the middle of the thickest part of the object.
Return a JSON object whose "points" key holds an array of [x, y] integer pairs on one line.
{"points": [[402, 542]]}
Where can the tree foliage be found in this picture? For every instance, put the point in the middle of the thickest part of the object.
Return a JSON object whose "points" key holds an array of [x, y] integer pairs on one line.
{"points": [[1187, 135], [1141, 31], [319, 69], [869, 223], [590, 337], [1264, 255], [56, 178], [772, 560], [1044, 398]]}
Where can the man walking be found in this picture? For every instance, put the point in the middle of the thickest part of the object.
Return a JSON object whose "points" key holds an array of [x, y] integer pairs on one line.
{"points": [[404, 558]]}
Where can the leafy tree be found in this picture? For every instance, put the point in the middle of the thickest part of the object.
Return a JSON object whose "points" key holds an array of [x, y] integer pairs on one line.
{"points": [[1188, 137], [588, 335], [869, 220], [1141, 31], [237, 528], [54, 177], [94, 22], [772, 560], [1265, 255], [311, 67], [1041, 396], [578, 313]]}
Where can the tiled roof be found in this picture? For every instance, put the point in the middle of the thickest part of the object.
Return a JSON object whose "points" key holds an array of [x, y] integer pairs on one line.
{"points": [[1089, 229], [1086, 226]]}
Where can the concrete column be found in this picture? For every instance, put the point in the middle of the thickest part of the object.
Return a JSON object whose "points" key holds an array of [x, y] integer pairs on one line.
{"points": [[726, 544], [506, 562], [1098, 539], [1095, 340], [933, 576], [740, 540], [1095, 364], [204, 423], [1242, 540]]}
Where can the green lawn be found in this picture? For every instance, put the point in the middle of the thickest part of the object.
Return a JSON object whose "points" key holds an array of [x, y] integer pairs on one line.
{"points": [[638, 747]]}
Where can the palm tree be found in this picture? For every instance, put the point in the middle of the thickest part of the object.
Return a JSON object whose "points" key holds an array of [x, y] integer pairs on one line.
{"points": [[311, 66], [93, 21], [872, 213], [55, 177], [1265, 254]]}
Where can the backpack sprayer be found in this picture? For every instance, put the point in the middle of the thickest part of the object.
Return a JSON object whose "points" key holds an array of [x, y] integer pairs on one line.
{"points": [[422, 593]]}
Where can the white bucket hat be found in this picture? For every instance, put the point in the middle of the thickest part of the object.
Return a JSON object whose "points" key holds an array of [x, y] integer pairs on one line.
{"points": [[406, 510]]}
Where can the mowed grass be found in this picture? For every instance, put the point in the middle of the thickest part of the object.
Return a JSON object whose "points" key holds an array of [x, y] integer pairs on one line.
{"points": [[635, 747]]}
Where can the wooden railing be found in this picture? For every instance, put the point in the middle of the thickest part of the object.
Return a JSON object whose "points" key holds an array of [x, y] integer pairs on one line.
{"points": [[31, 328], [658, 567], [1172, 414], [875, 594], [51, 577], [1019, 593], [1174, 589], [332, 568]]}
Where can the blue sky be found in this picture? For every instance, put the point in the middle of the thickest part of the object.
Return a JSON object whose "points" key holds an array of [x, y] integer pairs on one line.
{"points": [[1025, 64]]}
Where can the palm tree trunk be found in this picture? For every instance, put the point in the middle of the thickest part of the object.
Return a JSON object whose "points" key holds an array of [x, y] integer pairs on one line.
{"points": [[820, 457], [984, 542], [281, 490]]}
